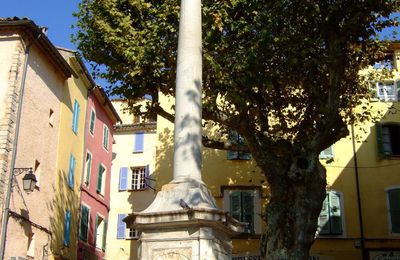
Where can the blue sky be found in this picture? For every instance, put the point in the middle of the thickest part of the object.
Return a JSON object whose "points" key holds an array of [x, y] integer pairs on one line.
{"points": [[54, 14]]}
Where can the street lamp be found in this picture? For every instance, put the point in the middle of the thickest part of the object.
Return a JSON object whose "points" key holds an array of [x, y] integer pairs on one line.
{"points": [[28, 181]]}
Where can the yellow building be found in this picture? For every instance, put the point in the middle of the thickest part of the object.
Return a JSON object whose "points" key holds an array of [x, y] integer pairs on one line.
{"points": [[363, 175], [70, 157], [132, 179]]}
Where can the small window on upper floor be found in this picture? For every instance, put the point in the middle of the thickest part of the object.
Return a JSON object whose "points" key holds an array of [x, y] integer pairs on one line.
{"points": [[388, 139], [330, 220], [235, 138], [139, 142], [106, 134], [327, 153], [51, 117], [386, 90], [92, 121], [75, 117]]}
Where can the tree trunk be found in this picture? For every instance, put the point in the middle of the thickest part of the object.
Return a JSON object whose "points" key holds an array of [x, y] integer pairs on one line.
{"points": [[292, 213]]}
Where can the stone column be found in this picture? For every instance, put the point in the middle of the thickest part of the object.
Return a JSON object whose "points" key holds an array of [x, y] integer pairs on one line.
{"points": [[187, 133]]}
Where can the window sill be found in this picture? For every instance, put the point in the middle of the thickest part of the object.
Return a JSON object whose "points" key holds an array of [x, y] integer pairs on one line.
{"points": [[132, 238]]}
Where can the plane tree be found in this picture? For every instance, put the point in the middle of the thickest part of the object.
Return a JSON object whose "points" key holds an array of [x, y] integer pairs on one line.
{"points": [[284, 74]]}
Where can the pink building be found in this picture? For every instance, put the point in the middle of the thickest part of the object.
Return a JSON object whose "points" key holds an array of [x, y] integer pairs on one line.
{"points": [[95, 188]]}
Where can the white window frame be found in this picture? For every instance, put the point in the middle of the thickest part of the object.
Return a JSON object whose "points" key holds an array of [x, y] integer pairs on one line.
{"points": [[389, 219], [382, 87], [106, 144], [141, 181], [97, 230], [86, 181], [343, 216], [128, 234], [227, 191]]}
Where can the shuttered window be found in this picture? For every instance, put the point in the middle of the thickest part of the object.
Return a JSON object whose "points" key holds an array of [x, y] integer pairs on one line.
{"points": [[100, 232], [394, 209], [121, 228], [105, 137], [88, 168], [134, 178], [75, 117], [67, 227], [242, 208], [84, 223], [330, 218], [139, 143], [235, 138], [388, 139], [92, 121], [101, 175], [71, 171]]}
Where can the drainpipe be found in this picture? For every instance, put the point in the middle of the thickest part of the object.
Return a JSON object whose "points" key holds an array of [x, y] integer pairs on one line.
{"points": [[362, 244], [6, 211]]}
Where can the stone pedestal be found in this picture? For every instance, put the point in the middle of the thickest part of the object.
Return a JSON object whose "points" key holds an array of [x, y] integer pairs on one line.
{"points": [[183, 222]]}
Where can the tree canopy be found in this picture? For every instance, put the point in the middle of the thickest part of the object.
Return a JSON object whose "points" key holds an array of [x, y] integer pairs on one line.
{"points": [[284, 74]]}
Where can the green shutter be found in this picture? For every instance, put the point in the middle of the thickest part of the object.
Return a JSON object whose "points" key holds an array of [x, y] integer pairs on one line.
{"points": [[379, 141], [84, 225], [335, 213], [323, 219], [394, 208], [248, 211], [92, 121], [104, 235], [99, 179], [235, 205]]}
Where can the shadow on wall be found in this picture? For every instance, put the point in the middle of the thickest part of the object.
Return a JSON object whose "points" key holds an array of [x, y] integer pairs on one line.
{"points": [[376, 173], [65, 198]]}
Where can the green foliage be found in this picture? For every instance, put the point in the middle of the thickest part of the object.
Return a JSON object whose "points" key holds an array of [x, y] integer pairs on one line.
{"points": [[287, 71]]}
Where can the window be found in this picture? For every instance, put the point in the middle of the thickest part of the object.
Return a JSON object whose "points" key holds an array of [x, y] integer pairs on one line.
{"points": [[388, 139], [393, 196], [75, 117], [121, 228], [67, 227], [51, 117], [327, 153], [88, 168], [92, 121], [105, 137], [235, 138], [84, 223], [101, 232], [387, 91], [123, 232], [139, 143], [71, 171], [135, 178], [330, 219], [244, 205], [101, 179]]}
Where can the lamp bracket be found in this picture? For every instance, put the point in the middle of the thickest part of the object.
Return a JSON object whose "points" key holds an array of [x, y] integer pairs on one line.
{"points": [[18, 171]]}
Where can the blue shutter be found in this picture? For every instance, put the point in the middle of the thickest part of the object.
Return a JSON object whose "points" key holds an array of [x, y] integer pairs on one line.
{"points": [[75, 117], [71, 171], [121, 226], [233, 138], [67, 227], [139, 143], [123, 178], [248, 211]]}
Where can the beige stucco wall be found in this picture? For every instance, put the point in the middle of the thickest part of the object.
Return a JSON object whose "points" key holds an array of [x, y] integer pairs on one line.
{"points": [[125, 202], [37, 142]]}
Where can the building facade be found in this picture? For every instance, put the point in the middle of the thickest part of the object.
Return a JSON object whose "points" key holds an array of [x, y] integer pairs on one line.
{"points": [[31, 68], [132, 181], [95, 187]]}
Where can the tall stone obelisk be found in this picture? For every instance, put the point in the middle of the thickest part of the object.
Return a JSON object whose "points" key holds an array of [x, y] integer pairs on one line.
{"points": [[183, 221]]}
